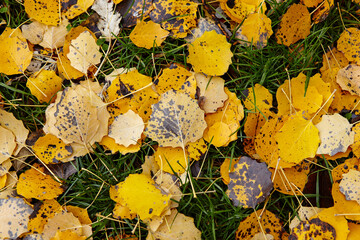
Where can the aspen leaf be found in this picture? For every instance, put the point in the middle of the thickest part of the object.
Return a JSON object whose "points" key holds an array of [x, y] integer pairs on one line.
{"points": [[294, 26], [15, 52], [303, 214], [249, 227], [127, 128], [335, 134], [196, 150], [354, 231], [177, 16], [8, 144], [33, 32], [54, 36], [110, 144], [140, 186], [176, 78], [258, 99], [226, 167], [80, 213], [210, 54], [73, 8], [204, 25], [43, 11], [134, 10], [8, 121], [311, 3], [47, 209], [350, 185], [33, 183], [171, 160], [44, 85], [67, 234], [348, 208], [349, 79], [61, 221], [175, 120], [51, 149], [84, 52], [256, 29], [9, 189], [348, 44], [356, 145], [249, 183], [333, 59], [14, 216], [297, 139], [339, 170], [148, 34], [238, 10], [218, 134], [182, 227], [314, 227], [212, 92], [292, 180], [322, 11]]}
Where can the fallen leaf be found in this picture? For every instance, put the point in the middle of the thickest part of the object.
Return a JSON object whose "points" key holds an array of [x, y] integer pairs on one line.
{"points": [[349, 185], [322, 11], [51, 149], [210, 54], [335, 134], [73, 8], [297, 139], [133, 10], [238, 10], [349, 79], [33, 183], [67, 234], [171, 160], [15, 52], [84, 52], [14, 215], [42, 212], [44, 85], [303, 214], [258, 99], [309, 228], [204, 25], [250, 183], [295, 25], [339, 223], [61, 221], [175, 120], [43, 11], [8, 144], [148, 34], [348, 43], [227, 167], [249, 227]]}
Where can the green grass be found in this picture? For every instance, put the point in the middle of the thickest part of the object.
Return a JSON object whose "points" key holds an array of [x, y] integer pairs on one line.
{"points": [[212, 210]]}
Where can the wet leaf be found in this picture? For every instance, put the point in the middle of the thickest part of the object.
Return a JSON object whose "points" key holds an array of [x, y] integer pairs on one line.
{"points": [[250, 183]]}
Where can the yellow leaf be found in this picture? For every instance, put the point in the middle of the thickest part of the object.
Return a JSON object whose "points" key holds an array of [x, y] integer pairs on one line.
{"points": [[68, 235], [340, 224], [140, 186], [350, 209], [44, 85], [210, 54], [14, 216], [349, 185], [62, 221], [297, 139], [257, 29], [258, 99], [148, 34], [8, 144], [218, 134], [303, 214], [34, 183], [72, 9], [110, 144], [295, 25], [171, 160], [51, 149], [226, 167], [84, 52], [79, 213], [46, 210], [196, 150], [176, 120], [44, 11], [348, 44], [349, 79], [238, 10], [15, 52], [335, 134], [309, 228]]}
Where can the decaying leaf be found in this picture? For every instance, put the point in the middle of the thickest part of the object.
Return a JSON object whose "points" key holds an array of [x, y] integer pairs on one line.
{"points": [[322, 11], [297, 139], [42, 212], [15, 52], [126, 129], [44, 85], [204, 25], [34, 183], [249, 227], [67, 234], [8, 144], [181, 227], [303, 214], [212, 92], [171, 160], [14, 216], [84, 52], [227, 167], [339, 223], [61, 221], [347, 208], [335, 134], [238, 10], [314, 227], [250, 183], [350, 185], [51, 149], [295, 25], [196, 150], [148, 34], [133, 10], [177, 16], [210, 54], [256, 29], [258, 99], [109, 18], [44, 11], [348, 44], [349, 79], [73, 8], [175, 120], [141, 186]]}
